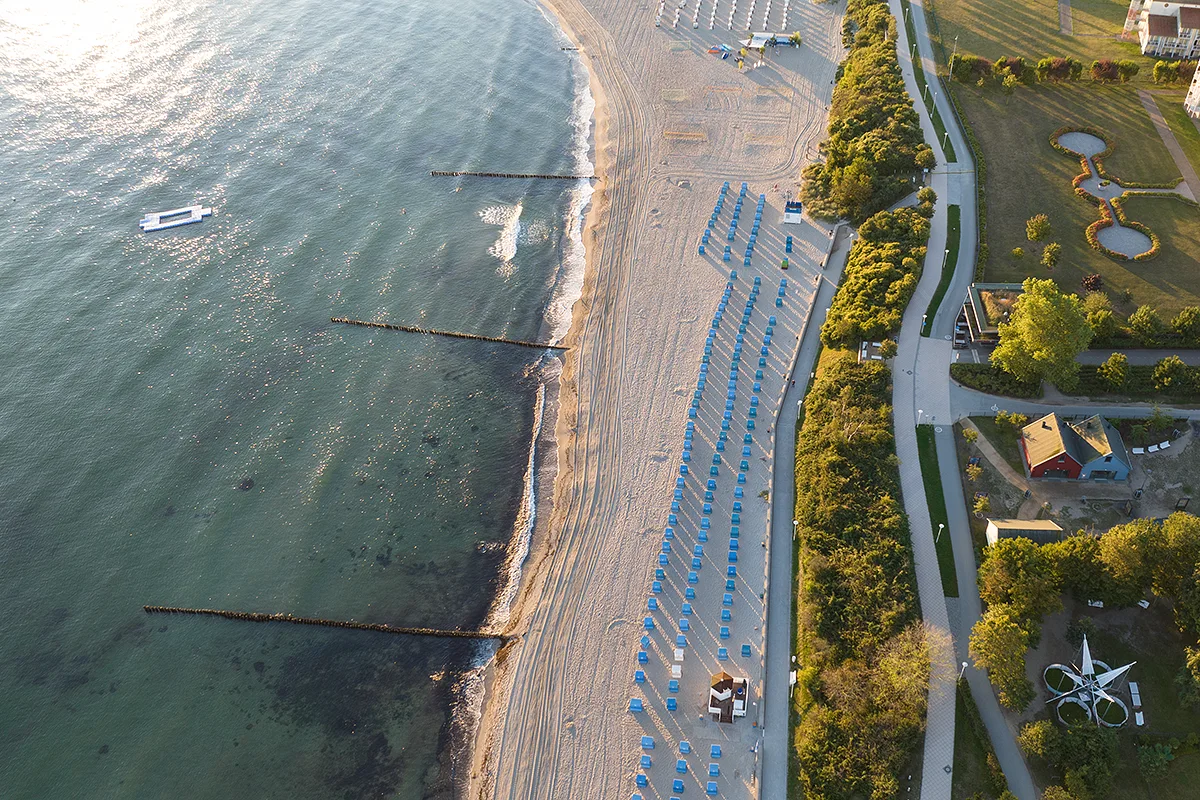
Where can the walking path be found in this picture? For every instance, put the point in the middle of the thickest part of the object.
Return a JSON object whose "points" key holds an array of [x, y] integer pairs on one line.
{"points": [[921, 374], [1139, 356], [777, 690], [1190, 180], [1064, 17]]}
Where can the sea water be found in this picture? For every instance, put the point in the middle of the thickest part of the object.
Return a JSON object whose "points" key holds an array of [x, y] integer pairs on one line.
{"points": [[181, 424]]}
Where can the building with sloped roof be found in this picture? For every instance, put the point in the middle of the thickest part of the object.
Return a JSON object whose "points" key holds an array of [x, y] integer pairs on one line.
{"points": [[1165, 29], [1087, 450]]}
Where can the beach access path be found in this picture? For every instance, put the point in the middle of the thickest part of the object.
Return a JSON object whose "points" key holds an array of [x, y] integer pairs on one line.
{"points": [[673, 123]]}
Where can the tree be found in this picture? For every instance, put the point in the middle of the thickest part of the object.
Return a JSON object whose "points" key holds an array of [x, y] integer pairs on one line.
{"points": [[1187, 323], [1103, 324], [795, 39], [1145, 324], [1045, 332], [1092, 283], [1176, 561], [982, 506], [974, 471], [1056, 793], [1042, 68], [1018, 252], [1010, 83], [1166, 72], [1040, 738], [1129, 554], [1090, 752], [1012, 420], [1018, 574], [1187, 603], [1153, 759], [998, 645], [925, 158], [1078, 568], [1171, 375], [970, 435], [1050, 255], [1115, 371], [1037, 227], [1126, 69], [926, 195], [888, 348], [1187, 680], [1079, 628]]}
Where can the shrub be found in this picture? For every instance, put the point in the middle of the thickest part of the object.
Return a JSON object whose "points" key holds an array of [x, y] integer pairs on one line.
{"points": [[1018, 252], [880, 277], [1050, 255], [1187, 323], [986, 378], [926, 195], [1115, 371], [858, 603], [1172, 375], [874, 132], [1126, 69], [1093, 283], [888, 348], [1037, 227], [1146, 324], [1166, 72], [1104, 69], [967, 68]]}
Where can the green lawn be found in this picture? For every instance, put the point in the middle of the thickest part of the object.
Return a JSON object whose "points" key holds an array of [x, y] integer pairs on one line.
{"points": [[935, 116], [936, 499], [1027, 176], [1098, 17], [994, 28], [1170, 103], [1003, 439], [949, 263], [972, 775]]}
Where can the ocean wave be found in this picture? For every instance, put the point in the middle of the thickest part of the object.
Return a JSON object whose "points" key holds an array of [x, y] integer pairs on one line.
{"points": [[568, 285], [505, 246]]}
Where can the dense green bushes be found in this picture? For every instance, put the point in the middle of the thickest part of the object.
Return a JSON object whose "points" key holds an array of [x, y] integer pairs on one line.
{"points": [[880, 277], [875, 144], [986, 378], [866, 666]]}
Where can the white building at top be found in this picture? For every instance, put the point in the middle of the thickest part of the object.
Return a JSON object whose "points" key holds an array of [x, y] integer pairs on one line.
{"points": [[1191, 103], [1165, 29]]}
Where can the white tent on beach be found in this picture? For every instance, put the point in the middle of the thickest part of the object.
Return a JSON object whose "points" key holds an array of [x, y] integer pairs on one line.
{"points": [[758, 40]]}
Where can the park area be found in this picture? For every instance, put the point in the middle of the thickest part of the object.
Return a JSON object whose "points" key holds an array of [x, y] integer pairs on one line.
{"points": [[1031, 29], [1027, 176]]}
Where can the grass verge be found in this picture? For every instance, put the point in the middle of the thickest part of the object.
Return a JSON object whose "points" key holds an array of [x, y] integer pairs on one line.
{"points": [[1003, 440], [923, 88], [936, 500], [949, 264], [976, 772]]}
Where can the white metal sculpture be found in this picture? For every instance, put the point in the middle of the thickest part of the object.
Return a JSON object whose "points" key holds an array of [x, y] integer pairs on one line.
{"points": [[1089, 688]]}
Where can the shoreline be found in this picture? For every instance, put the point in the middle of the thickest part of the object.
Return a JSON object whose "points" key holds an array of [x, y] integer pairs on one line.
{"points": [[551, 485]]}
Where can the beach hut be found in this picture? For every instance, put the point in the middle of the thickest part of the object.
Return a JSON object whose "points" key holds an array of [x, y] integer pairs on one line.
{"points": [[727, 697]]}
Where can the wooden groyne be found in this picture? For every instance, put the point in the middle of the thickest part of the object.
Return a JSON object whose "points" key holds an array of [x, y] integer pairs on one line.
{"points": [[442, 174], [455, 334], [247, 616]]}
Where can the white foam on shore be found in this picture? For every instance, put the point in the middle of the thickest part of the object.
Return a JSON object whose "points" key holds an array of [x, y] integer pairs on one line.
{"points": [[568, 284]]}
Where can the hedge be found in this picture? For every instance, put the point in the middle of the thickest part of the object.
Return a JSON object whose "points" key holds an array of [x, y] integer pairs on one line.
{"points": [[989, 379]]}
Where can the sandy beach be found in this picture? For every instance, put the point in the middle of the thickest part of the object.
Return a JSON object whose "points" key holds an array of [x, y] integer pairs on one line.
{"points": [[672, 122]]}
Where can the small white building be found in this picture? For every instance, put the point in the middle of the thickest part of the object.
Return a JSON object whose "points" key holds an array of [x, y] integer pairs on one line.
{"points": [[1042, 531], [1165, 29]]}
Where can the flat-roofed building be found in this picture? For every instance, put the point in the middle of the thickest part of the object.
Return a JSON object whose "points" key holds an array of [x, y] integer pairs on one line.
{"points": [[1042, 531], [987, 305]]}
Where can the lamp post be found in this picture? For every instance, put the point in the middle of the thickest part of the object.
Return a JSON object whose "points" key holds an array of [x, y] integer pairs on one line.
{"points": [[963, 670], [920, 411], [955, 50], [938, 540], [795, 528]]}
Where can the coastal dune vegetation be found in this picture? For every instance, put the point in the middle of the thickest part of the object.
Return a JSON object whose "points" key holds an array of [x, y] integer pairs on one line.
{"points": [[875, 144], [864, 668]]}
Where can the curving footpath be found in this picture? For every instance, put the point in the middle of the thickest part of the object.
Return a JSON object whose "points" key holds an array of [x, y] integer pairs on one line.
{"points": [[922, 395]]}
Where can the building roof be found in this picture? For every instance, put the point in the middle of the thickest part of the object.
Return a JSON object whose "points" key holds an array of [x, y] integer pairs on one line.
{"points": [[984, 324], [1189, 18], [1084, 442], [1025, 524], [1162, 25], [1045, 438], [1100, 439]]}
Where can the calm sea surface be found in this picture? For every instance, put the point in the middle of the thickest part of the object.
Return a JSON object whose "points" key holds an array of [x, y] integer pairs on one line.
{"points": [[180, 423]]}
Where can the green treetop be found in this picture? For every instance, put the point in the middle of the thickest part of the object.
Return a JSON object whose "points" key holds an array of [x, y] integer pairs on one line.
{"points": [[1046, 331]]}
